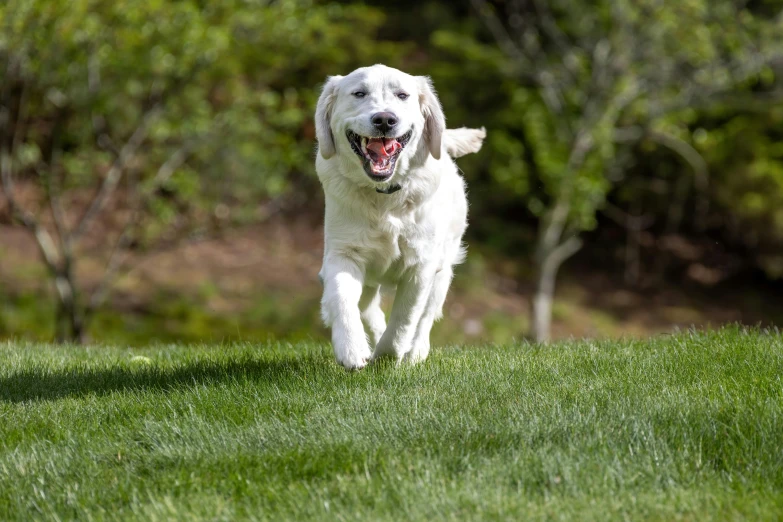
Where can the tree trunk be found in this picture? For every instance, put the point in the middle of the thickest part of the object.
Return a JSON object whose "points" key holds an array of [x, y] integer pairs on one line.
{"points": [[547, 265], [70, 325], [541, 320]]}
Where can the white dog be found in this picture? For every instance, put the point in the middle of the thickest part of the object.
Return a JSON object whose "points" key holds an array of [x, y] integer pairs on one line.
{"points": [[395, 210]]}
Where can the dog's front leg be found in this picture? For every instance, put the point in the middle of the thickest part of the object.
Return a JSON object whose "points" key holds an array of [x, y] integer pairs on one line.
{"points": [[412, 293], [343, 281]]}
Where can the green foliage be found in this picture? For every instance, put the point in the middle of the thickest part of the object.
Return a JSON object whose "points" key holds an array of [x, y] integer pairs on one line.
{"points": [[233, 82], [180, 117], [746, 151], [593, 69], [687, 426], [169, 318]]}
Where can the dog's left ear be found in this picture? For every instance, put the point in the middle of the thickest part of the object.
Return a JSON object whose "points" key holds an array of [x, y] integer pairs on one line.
{"points": [[434, 120], [323, 118]]}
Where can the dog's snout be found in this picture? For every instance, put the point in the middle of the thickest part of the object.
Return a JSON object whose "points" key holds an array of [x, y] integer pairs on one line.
{"points": [[384, 121]]}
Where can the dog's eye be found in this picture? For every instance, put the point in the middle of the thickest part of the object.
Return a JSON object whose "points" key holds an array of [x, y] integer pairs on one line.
{"points": [[359, 94], [403, 95]]}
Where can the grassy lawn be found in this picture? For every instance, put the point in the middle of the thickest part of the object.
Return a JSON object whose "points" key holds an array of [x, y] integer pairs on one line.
{"points": [[678, 427]]}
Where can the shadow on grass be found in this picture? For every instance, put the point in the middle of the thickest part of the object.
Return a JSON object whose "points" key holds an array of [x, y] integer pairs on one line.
{"points": [[48, 384]]}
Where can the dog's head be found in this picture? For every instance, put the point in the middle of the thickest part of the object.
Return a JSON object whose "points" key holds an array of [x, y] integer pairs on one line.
{"points": [[379, 120]]}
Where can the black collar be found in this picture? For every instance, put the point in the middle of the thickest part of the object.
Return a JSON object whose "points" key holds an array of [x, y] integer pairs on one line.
{"points": [[390, 190]]}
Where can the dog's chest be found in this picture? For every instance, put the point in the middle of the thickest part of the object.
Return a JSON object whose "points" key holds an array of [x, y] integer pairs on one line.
{"points": [[393, 244]]}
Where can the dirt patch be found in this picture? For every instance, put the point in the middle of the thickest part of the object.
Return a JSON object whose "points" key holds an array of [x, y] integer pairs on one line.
{"points": [[280, 260]]}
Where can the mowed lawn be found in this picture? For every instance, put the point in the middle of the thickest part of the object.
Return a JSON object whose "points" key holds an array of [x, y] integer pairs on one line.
{"points": [[687, 427]]}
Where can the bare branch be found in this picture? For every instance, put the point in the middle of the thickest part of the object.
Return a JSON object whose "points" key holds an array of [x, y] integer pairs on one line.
{"points": [[43, 239], [6, 157], [626, 220], [633, 225], [116, 260], [549, 24], [47, 173], [170, 166], [158, 95], [52, 189], [700, 170], [499, 32], [699, 96], [551, 262], [629, 134], [565, 250], [19, 126], [114, 264], [685, 150], [99, 125], [554, 223], [114, 175], [553, 31], [529, 57]]}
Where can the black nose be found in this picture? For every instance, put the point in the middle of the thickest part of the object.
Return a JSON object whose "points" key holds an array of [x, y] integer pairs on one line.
{"points": [[384, 121]]}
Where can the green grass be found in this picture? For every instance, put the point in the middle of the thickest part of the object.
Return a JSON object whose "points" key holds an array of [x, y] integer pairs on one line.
{"points": [[684, 427]]}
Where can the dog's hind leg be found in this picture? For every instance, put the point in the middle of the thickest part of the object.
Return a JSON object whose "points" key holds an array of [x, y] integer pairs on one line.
{"points": [[373, 317], [432, 312], [410, 300]]}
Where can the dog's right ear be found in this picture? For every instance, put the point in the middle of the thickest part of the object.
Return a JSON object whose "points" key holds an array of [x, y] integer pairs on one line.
{"points": [[323, 118]]}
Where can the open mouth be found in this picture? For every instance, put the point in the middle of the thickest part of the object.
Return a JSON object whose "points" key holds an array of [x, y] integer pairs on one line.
{"points": [[378, 154]]}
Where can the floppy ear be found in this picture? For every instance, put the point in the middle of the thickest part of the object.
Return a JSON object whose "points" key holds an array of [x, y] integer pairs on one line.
{"points": [[434, 120], [323, 118]]}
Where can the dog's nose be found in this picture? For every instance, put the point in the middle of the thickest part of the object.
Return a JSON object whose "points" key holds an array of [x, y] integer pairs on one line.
{"points": [[384, 121]]}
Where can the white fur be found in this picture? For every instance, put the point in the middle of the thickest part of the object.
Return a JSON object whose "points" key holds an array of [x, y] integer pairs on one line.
{"points": [[408, 240]]}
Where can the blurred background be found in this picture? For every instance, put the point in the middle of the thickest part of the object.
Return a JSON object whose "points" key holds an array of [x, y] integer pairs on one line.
{"points": [[158, 180]]}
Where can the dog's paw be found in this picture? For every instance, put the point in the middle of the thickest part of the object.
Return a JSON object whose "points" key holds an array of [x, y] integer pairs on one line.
{"points": [[418, 353], [387, 348], [355, 360]]}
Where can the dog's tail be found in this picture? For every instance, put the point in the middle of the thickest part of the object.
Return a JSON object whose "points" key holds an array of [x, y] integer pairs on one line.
{"points": [[459, 142]]}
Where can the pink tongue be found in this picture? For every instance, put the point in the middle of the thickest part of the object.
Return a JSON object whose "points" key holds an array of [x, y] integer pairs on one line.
{"points": [[383, 147]]}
